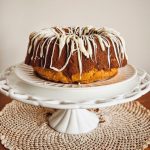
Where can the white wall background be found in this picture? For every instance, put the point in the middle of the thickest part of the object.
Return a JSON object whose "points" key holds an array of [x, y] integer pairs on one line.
{"points": [[20, 17]]}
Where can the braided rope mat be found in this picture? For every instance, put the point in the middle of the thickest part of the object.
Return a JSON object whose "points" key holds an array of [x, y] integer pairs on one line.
{"points": [[25, 127]]}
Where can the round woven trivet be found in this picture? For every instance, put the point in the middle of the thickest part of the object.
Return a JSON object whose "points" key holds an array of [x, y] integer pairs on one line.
{"points": [[124, 127]]}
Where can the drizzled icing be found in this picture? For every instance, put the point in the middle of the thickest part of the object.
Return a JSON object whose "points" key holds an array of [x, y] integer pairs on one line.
{"points": [[81, 39]]}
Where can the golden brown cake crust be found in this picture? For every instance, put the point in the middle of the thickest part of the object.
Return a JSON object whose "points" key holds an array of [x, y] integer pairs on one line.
{"points": [[87, 77]]}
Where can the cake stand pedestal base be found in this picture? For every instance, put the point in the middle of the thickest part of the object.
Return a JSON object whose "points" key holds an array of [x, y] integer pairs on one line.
{"points": [[73, 121]]}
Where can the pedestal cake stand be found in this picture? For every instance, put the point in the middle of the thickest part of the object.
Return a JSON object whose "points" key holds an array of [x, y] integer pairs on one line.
{"points": [[72, 100]]}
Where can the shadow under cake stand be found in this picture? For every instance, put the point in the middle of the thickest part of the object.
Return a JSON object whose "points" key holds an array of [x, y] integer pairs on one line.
{"points": [[72, 100]]}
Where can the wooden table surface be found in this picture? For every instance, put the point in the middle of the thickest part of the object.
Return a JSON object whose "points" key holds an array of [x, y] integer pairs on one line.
{"points": [[145, 100]]}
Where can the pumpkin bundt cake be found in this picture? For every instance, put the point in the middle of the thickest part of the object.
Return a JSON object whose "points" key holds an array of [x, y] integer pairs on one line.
{"points": [[76, 54]]}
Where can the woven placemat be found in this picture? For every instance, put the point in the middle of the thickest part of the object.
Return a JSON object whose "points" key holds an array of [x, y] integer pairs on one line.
{"points": [[25, 127]]}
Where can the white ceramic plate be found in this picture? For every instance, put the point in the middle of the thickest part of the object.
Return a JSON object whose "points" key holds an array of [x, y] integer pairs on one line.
{"points": [[20, 81]]}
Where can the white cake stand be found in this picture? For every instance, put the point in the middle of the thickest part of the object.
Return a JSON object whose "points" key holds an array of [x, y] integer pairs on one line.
{"points": [[72, 100]]}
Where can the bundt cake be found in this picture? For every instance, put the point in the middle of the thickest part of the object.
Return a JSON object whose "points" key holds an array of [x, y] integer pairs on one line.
{"points": [[76, 54]]}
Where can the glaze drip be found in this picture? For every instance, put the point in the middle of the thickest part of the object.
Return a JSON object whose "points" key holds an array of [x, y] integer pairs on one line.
{"points": [[81, 40]]}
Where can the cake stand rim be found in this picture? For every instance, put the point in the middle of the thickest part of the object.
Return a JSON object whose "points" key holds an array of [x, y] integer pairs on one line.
{"points": [[75, 105]]}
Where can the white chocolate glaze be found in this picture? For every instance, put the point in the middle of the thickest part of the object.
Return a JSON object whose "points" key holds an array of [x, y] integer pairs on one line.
{"points": [[82, 41]]}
